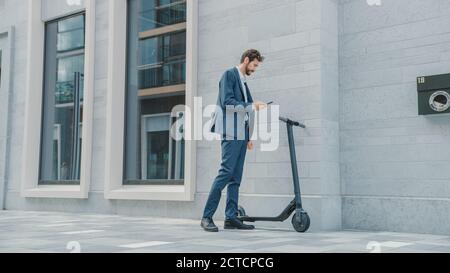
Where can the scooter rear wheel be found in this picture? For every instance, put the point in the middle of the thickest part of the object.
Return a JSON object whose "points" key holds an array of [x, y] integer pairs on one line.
{"points": [[241, 212], [301, 222]]}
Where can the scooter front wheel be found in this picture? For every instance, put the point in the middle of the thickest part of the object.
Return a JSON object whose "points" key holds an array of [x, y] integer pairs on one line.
{"points": [[301, 222]]}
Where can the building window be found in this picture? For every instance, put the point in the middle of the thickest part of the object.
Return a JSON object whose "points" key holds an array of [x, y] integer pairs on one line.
{"points": [[161, 13], [162, 60], [156, 84], [63, 101]]}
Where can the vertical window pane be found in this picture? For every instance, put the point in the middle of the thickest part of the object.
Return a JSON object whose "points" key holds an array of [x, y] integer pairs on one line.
{"points": [[155, 14], [70, 40], [71, 23], [71, 33], [155, 64], [156, 146], [63, 101], [149, 50], [65, 84], [162, 60]]}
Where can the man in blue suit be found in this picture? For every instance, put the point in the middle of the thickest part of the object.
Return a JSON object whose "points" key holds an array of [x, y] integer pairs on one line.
{"points": [[234, 121]]}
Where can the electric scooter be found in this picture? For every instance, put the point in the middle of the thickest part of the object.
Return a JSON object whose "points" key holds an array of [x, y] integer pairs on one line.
{"points": [[300, 220]]}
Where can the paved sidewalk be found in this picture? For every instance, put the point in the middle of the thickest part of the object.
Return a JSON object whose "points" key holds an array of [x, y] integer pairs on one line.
{"points": [[62, 232]]}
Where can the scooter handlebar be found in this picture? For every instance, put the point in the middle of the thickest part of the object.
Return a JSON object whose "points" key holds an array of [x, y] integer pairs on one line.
{"points": [[292, 122]]}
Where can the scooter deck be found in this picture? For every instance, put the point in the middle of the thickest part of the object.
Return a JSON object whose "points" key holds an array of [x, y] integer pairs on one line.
{"points": [[281, 218]]}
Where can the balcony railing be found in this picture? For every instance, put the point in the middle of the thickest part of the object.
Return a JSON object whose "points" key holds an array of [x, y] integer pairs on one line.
{"points": [[162, 74], [65, 91]]}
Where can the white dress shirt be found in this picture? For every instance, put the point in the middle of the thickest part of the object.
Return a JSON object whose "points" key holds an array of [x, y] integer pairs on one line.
{"points": [[243, 81]]}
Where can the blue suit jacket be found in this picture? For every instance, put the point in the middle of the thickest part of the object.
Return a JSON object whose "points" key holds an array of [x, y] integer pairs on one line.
{"points": [[229, 118]]}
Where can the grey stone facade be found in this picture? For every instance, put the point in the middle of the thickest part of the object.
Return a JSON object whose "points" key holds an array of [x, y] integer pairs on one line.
{"points": [[347, 69], [394, 164]]}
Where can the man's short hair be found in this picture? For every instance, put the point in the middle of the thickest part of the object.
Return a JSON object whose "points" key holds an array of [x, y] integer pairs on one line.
{"points": [[252, 54]]}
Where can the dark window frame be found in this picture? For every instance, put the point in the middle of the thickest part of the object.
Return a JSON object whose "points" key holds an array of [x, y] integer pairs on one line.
{"points": [[66, 53], [158, 182]]}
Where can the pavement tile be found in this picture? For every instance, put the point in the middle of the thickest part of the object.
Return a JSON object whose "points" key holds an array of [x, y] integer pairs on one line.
{"points": [[37, 232]]}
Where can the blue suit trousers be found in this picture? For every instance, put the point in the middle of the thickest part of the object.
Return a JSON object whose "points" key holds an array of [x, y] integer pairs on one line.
{"points": [[230, 174]]}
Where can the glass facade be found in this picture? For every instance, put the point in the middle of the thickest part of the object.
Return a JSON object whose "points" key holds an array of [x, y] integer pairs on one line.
{"points": [[162, 60], [156, 77], [63, 101], [160, 13]]}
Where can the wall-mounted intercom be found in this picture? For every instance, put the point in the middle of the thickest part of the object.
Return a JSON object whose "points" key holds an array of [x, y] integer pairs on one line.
{"points": [[434, 94]]}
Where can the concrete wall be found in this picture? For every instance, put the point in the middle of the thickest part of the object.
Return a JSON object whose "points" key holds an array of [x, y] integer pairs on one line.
{"points": [[12, 13], [52, 9], [4, 106], [394, 164]]}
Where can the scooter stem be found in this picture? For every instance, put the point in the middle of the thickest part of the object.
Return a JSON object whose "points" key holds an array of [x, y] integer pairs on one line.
{"points": [[294, 166]]}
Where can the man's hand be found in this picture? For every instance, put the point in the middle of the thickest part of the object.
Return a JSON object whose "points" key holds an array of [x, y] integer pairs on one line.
{"points": [[250, 145], [259, 105]]}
